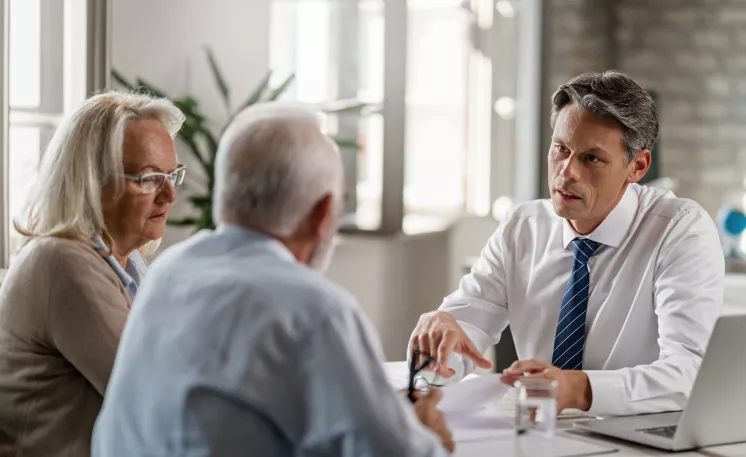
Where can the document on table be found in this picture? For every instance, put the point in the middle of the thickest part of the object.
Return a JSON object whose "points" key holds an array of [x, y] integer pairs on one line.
{"points": [[491, 432], [397, 374], [473, 393], [473, 411]]}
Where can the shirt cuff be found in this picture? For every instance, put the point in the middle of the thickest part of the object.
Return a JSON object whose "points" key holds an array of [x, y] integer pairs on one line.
{"points": [[608, 392]]}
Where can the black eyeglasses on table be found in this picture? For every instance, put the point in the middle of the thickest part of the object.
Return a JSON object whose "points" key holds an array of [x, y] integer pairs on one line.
{"points": [[414, 369]]}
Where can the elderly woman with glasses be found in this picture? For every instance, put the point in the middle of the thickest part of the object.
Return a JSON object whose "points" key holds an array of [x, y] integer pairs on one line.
{"points": [[103, 193]]}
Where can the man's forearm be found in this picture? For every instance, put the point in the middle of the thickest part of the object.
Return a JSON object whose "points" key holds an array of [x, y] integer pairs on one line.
{"points": [[664, 385], [582, 393]]}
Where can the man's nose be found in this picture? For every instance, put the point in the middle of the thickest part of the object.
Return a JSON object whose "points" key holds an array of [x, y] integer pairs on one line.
{"points": [[569, 168]]}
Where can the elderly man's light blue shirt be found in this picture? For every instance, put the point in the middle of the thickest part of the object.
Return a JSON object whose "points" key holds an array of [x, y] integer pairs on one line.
{"points": [[131, 275], [234, 348]]}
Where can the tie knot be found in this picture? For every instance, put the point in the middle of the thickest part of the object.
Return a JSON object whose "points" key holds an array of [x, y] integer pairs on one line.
{"points": [[583, 249]]}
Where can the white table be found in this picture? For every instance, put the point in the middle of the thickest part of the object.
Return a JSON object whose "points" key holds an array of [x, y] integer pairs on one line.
{"points": [[397, 374]]}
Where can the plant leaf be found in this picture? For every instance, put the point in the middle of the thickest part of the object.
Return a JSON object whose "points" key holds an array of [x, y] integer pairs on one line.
{"points": [[189, 108], [149, 87], [182, 222], [212, 143], [257, 94], [219, 80], [201, 201], [279, 90], [186, 105], [254, 98], [205, 221], [346, 144], [345, 106], [121, 80], [188, 138]]}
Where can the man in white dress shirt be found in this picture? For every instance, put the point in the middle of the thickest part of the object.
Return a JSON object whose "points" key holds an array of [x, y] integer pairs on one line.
{"points": [[610, 287], [237, 345]]}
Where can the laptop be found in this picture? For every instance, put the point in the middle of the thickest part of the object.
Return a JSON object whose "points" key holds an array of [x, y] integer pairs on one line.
{"points": [[715, 411]]}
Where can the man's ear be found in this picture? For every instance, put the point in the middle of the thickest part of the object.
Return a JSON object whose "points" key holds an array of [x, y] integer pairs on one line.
{"points": [[639, 166], [322, 215]]}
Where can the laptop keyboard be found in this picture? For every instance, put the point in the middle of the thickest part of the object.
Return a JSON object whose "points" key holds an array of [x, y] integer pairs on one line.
{"points": [[666, 432]]}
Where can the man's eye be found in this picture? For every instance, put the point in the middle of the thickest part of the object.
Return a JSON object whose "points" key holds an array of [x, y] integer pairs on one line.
{"points": [[591, 158], [560, 148]]}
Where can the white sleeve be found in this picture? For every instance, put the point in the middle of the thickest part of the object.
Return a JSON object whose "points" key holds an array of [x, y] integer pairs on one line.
{"points": [[352, 410], [480, 304], [688, 300]]}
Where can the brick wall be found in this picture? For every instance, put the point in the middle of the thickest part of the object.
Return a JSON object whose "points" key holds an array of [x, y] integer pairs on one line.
{"points": [[692, 53], [577, 39]]}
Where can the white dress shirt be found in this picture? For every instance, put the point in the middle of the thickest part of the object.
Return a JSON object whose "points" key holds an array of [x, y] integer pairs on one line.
{"points": [[234, 348], [656, 288]]}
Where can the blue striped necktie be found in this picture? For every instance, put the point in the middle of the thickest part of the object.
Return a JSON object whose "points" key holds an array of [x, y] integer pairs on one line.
{"points": [[569, 340]]}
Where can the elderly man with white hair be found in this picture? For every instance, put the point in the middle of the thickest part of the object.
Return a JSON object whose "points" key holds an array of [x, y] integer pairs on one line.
{"points": [[238, 345]]}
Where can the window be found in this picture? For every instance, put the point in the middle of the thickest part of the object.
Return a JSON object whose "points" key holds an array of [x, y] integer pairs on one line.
{"points": [[48, 68], [439, 51], [35, 95], [458, 81], [307, 41], [333, 59]]}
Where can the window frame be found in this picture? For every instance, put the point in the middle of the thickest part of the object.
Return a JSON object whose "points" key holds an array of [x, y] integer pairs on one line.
{"points": [[86, 68], [4, 126]]}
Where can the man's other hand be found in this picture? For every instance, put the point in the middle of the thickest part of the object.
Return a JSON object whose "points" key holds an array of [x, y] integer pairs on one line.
{"points": [[574, 388]]}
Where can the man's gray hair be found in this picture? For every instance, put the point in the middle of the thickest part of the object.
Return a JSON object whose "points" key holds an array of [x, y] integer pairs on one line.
{"points": [[616, 96], [273, 165]]}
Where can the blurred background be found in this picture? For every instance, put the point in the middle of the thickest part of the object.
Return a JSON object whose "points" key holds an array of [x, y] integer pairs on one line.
{"points": [[440, 108]]}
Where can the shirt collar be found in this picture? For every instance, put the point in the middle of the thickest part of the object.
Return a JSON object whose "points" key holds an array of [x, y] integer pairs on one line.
{"points": [[131, 275], [612, 230], [248, 235]]}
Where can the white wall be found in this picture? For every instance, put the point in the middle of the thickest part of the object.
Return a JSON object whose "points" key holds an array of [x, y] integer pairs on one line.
{"points": [[162, 41], [395, 279], [467, 237]]}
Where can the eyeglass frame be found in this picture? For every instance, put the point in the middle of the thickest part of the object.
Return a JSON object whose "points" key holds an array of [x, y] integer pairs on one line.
{"points": [[414, 370], [166, 176]]}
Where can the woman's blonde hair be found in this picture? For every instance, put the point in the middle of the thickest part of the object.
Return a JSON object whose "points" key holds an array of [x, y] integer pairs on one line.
{"points": [[84, 154]]}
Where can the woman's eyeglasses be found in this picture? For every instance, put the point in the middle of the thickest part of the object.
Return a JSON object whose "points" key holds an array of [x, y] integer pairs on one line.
{"points": [[153, 182]]}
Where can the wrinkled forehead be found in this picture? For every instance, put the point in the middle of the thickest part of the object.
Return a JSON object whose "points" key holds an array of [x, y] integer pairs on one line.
{"points": [[581, 130], [148, 147]]}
